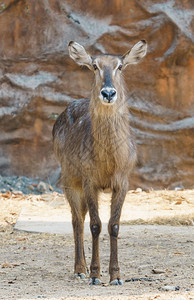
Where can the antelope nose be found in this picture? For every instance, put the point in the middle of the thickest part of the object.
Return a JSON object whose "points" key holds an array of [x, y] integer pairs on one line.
{"points": [[108, 94]]}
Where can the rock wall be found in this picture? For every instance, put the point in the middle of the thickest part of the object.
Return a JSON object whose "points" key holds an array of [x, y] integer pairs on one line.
{"points": [[37, 77]]}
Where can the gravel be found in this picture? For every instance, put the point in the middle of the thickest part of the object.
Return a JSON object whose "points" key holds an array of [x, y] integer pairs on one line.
{"points": [[26, 185]]}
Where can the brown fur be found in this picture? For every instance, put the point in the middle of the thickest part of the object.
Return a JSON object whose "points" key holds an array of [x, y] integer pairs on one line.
{"points": [[96, 149]]}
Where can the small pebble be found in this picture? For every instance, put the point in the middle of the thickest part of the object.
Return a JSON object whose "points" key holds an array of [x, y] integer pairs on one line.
{"points": [[143, 269], [17, 193], [158, 271], [178, 188], [42, 187], [170, 288], [30, 187], [18, 185]]}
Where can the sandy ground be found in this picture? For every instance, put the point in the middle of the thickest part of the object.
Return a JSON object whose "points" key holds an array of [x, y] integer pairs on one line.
{"points": [[152, 256]]}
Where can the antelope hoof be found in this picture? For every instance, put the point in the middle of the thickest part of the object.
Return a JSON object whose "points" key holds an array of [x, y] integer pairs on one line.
{"points": [[116, 282], [94, 281], [80, 275]]}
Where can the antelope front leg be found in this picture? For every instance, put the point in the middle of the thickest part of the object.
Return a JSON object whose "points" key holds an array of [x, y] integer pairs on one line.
{"points": [[80, 263], [95, 227], [78, 213], [118, 198]]}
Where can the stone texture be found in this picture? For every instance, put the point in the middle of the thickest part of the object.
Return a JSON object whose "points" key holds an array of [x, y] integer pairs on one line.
{"points": [[37, 77]]}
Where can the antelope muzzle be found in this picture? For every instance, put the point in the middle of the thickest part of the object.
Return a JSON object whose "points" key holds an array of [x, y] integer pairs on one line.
{"points": [[108, 95]]}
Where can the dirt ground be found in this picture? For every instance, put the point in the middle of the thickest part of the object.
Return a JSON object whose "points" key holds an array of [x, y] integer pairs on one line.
{"points": [[155, 251]]}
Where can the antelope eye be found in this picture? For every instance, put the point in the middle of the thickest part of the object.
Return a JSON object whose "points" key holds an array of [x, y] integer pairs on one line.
{"points": [[120, 67], [95, 67]]}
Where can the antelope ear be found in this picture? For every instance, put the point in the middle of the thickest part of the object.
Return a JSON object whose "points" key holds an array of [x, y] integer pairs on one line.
{"points": [[137, 52], [79, 54]]}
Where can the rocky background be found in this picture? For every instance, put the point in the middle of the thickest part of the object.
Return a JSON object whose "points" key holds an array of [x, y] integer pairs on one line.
{"points": [[37, 77]]}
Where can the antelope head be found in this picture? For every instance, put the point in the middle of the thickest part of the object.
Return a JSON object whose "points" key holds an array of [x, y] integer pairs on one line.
{"points": [[107, 69]]}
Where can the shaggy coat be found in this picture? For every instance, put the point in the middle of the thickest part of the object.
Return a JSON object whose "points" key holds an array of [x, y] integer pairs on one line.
{"points": [[95, 146]]}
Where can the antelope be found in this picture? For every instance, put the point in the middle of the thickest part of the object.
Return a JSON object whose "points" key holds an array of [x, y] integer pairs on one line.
{"points": [[94, 143]]}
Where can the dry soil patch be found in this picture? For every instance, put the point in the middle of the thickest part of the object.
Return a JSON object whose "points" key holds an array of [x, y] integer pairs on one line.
{"points": [[40, 265]]}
